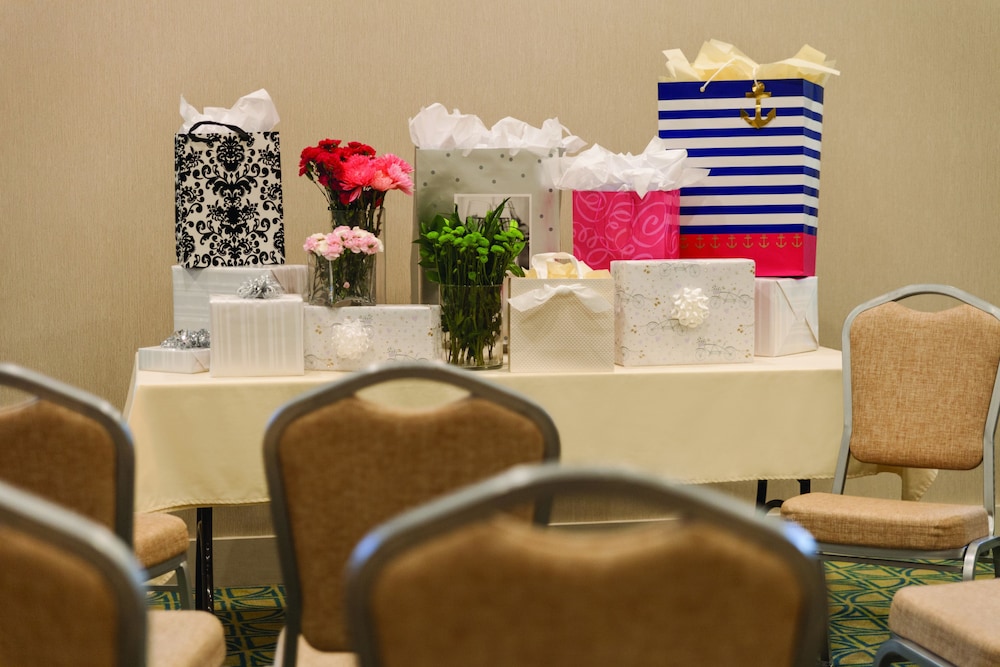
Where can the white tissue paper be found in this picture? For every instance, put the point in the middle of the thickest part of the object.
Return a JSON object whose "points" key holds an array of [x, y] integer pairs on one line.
{"points": [[254, 112], [656, 168], [435, 128]]}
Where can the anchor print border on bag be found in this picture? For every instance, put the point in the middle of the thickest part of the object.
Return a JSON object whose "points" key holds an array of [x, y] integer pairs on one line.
{"points": [[228, 199]]}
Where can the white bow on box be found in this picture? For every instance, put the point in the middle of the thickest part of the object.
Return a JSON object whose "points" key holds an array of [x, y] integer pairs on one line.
{"points": [[537, 297]]}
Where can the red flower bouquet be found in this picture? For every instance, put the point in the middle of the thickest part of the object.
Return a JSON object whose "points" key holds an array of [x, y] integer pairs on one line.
{"points": [[354, 180]]}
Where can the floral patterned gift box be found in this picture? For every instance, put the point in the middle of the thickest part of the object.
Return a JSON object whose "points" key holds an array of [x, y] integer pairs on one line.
{"points": [[352, 337], [698, 311]]}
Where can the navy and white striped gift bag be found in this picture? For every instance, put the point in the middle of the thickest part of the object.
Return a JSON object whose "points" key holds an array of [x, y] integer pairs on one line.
{"points": [[762, 148]]}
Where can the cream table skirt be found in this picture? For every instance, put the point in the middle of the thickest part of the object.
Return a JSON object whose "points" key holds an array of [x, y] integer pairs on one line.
{"points": [[199, 438]]}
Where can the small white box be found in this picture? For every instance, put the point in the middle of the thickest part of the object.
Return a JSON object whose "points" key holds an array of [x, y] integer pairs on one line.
{"points": [[256, 337], [787, 316], [173, 360], [683, 311], [350, 338], [193, 287]]}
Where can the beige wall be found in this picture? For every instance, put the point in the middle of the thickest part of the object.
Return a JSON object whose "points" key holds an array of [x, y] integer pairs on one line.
{"points": [[90, 93]]}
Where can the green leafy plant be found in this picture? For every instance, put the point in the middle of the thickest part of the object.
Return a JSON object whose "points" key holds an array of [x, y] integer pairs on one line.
{"points": [[476, 251], [469, 260]]}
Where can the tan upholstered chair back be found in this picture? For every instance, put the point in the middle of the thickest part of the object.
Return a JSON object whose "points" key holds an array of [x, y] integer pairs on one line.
{"points": [[70, 589], [61, 455], [921, 385], [58, 612], [456, 583], [507, 593], [346, 465]]}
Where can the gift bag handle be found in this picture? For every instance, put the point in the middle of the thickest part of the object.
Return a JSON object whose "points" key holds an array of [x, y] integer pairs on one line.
{"points": [[244, 135]]}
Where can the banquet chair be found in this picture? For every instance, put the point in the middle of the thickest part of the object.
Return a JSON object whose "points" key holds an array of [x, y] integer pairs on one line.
{"points": [[920, 391], [73, 448], [73, 596], [943, 625], [456, 582], [348, 455]]}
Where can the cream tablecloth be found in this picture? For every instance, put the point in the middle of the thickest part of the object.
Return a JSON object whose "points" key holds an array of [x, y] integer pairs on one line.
{"points": [[199, 439]]}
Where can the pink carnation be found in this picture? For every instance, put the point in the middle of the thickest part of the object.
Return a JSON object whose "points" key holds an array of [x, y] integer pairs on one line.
{"points": [[391, 173]]}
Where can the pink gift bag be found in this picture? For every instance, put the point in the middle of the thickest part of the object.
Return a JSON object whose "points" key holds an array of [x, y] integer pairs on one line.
{"points": [[622, 225]]}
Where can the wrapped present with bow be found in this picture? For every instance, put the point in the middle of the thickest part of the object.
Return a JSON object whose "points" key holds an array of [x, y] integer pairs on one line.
{"points": [[683, 311], [350, 338], [561, 317], [184, 351], [257, 331], [757, 128]]}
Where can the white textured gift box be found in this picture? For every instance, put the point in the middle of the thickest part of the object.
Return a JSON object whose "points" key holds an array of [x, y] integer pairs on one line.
{"points": [[787, 316], [353, 337], [256, 337], [193, 287], [173, 360], [561, 325], [647, 330]]}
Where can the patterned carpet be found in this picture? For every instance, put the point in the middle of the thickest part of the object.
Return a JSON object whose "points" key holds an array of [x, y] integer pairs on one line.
{"points": [[859, 606]]}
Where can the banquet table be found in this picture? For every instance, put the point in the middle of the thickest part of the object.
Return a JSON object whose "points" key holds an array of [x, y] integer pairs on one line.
{"points": [[198, 438]]}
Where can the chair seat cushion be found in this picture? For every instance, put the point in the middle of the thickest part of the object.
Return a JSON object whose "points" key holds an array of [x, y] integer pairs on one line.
{"points": [[158, 537], [958, 621], [310, 657], [179, 638], [887, 523]]}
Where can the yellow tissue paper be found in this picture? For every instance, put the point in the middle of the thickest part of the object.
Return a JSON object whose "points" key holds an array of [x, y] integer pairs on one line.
{"points": [[718, 60]]}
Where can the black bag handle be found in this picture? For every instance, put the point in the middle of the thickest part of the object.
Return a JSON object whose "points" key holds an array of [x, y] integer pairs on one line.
{"points": [[244, 135]]}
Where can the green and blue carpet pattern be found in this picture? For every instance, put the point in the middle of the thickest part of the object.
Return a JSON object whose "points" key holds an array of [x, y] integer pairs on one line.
{"points": [[859, 607]]}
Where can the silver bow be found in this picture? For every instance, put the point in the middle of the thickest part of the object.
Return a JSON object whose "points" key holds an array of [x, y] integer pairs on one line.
{"points": [[186, 340], [263, 286]]}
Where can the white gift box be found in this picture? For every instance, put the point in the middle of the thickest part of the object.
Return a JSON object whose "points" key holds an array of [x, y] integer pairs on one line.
{"points": [[561, 325], [787, 316], [174, 360], [256, 337], [193, 287], [683, 311], [350, 338]]}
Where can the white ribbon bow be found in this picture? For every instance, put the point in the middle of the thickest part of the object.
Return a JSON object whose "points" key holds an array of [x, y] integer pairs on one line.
{"points": [[351, 339], [537, 297], [690, 307]]}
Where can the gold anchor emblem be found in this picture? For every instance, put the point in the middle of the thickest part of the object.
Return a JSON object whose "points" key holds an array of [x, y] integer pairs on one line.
{"points": [[758, 93]]}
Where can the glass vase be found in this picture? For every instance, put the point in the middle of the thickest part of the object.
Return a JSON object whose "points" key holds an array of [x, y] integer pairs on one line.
{"points": [[368, 218], [348, 280], [471, 320]]}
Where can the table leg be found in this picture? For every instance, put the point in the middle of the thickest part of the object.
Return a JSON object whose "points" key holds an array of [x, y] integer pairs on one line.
{"points": [[204, 591], [805, 486]]}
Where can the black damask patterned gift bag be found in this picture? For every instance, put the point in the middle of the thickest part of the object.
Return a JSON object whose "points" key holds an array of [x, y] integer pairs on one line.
{"points": [[227, 194]]}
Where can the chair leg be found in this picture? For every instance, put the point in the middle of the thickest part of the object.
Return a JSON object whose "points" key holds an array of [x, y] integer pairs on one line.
{"points": [[184, 586]]}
